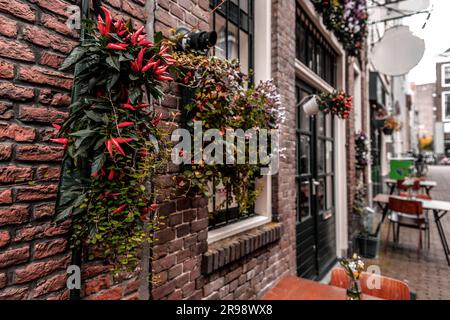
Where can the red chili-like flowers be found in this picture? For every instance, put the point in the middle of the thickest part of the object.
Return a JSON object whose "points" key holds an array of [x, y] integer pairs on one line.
{"points": [[117, 46]]}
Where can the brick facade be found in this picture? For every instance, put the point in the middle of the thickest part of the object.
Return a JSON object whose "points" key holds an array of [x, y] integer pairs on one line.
{"points": [[34, 253]]}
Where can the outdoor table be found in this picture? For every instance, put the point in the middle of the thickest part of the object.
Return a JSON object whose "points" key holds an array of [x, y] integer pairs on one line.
{"points": [[294, 288], [439, 208], [428, 185]]}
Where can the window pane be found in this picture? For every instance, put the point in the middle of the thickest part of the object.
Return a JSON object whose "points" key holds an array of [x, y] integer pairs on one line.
{"points": [[304, 200], [305, 147], [320, 156], [244, 54], [220, 48], [320, 119], [321, 201], [329, 156], [447, 107], [447, 75], [330, 192]]}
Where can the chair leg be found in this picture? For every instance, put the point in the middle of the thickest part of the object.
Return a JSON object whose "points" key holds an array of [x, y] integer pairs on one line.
{"points": [[398, 233]]}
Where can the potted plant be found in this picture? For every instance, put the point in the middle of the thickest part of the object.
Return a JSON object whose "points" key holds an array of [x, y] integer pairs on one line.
{"points": [[337, 103], [311, 107], [390, 125], [367, 243]]}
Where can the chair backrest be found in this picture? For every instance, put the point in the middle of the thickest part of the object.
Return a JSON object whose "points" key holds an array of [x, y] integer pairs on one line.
{"points": [[401, 186], [418, 196], [405, 206], [389, 289]]}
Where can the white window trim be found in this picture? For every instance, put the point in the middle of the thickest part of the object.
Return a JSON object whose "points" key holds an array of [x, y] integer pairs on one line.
{"points": [[263, 71], [444, 119], [443, 75]]}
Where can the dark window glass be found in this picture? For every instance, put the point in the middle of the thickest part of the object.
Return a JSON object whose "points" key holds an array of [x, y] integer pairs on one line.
{"points": [[313, 49], [234, 23]]}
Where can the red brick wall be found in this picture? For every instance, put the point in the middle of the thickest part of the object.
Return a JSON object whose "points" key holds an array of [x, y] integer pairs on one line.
{"points": [[33, 252]]}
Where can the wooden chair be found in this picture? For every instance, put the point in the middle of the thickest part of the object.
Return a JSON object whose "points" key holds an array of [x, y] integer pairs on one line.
{"points": [[408, 214], [390, 289]]}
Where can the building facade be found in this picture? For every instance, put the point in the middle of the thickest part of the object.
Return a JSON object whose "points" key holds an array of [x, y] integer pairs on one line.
{"points": [[443, 101], [301, 220]]}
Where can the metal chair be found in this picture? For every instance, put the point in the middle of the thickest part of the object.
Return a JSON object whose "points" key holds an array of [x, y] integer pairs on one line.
{"points": [[408, 214], [390, 289]]}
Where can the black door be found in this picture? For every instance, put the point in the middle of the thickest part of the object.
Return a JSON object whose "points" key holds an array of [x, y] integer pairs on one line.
{"points": [[316, 232]]}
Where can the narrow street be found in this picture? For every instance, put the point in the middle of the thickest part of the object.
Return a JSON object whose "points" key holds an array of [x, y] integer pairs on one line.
{"points": [[426, 272]]}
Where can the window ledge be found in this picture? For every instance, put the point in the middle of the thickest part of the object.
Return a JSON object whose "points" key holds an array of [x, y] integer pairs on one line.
{"points": [[224, 252], [236, 228]]}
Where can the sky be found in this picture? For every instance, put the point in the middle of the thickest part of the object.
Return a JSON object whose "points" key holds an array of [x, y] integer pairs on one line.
{"points": [[437, 39]]}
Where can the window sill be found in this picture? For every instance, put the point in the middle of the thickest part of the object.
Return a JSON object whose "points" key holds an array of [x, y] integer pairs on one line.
{"points": [[227, 251], [236, 228]]}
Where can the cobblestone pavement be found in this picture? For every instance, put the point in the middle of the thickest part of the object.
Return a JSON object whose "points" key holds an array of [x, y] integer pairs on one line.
{"points": [[426, 271]]}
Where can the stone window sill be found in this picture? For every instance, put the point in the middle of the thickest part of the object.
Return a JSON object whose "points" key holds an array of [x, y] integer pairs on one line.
{"points": [[232, 249]]}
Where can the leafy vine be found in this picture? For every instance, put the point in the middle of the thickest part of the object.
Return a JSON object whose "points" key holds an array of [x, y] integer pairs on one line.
{"points": [[113, 143]]}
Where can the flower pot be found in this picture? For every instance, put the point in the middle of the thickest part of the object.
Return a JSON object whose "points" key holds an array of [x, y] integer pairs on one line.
{"points": [[368, 246], [378, 124], [311, 107], [388, 131]]}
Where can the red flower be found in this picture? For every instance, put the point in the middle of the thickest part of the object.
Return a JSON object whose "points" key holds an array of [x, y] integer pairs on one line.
{"points": [[146, 43], [120, 209], [164, 77], [143, 106], [111, 175], [117, 46], [150, 64], [125, 124]]}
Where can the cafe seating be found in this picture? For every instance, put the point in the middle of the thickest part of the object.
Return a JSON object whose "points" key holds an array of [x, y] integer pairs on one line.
{"points": [[409, 214], [389, 289]]}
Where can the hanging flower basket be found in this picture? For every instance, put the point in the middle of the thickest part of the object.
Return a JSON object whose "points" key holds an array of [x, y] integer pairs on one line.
{"points": [[391, 124], [337, 103]]}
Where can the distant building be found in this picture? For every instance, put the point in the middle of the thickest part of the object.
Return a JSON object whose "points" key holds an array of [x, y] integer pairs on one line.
{"points": [[423, 116], [443, 100]]}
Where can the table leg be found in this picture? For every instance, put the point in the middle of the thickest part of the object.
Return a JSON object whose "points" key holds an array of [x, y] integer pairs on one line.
{"points": [[428, 190], [441, 231], [392, 186]]}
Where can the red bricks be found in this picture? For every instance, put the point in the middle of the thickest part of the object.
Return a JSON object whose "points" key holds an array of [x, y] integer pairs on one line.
{"points": [[44, 38], [9, 27], [15, 92], [44, 115], [42, 76], [97, 284], [39, 153], [14, 256], [51, 284], [6, 70], [15, 50], [5, 151], [38, 270], [49, 248], [4, 238], [16, 214], [6, 196], [14, 293], [14, 174], [18, 9], [36, 193], [18, 133]]}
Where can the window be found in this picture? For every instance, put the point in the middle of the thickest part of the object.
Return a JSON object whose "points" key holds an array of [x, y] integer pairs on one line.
{"points": [[446, 106], [446, 75], [313, 50], [233, 21]]}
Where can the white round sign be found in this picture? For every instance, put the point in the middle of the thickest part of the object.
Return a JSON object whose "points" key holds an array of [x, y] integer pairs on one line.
{"points": [[398, 52]]}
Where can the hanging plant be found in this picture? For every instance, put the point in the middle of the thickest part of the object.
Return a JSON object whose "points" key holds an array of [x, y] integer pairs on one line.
{"points": [[362, 150], [337, 103], [391, 124], [113, 143], [348, 20], [222, 101]]}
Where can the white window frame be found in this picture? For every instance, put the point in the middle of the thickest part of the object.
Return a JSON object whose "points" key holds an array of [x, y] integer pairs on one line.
{"points": [[443, 75], [444, 119], [262, 71]]}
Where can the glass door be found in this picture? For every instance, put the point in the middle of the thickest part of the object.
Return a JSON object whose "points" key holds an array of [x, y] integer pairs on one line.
{"points": [[316, 237]]}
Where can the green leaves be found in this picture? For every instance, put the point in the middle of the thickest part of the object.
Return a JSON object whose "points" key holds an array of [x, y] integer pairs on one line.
{"points": [[76, 55], [113, 61]]}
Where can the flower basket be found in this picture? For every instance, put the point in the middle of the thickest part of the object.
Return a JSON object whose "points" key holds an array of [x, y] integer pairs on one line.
{"points": [[388, 131], [337, 103]]}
